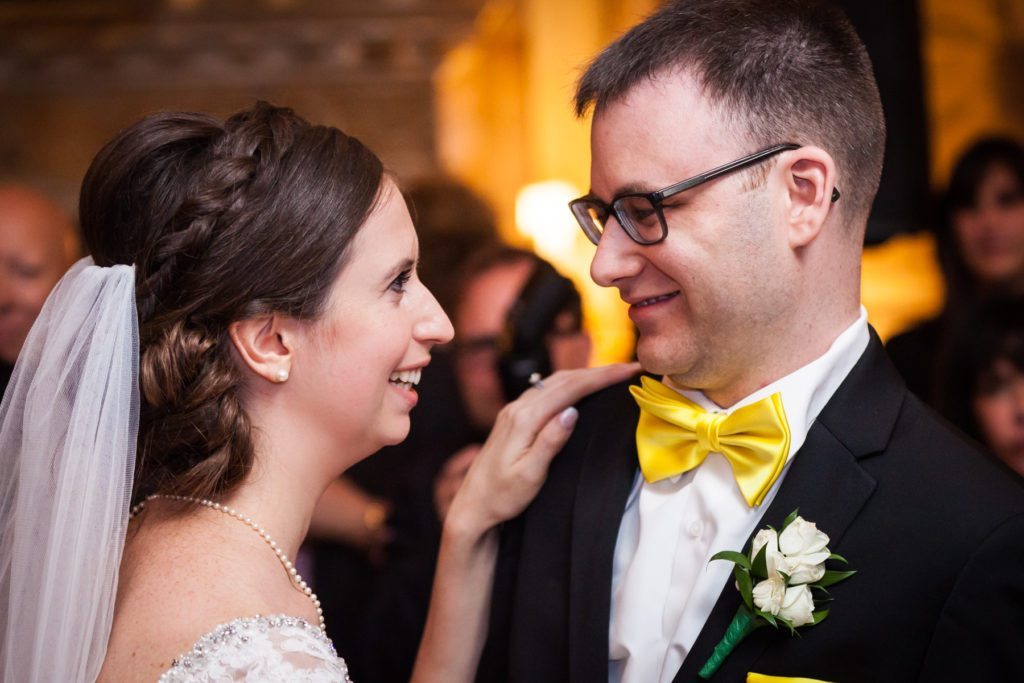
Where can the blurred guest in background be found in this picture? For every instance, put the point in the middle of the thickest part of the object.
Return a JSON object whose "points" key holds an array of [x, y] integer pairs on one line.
{"points": [[37, 244], [986, 397], [515, 316], [981, 249]]}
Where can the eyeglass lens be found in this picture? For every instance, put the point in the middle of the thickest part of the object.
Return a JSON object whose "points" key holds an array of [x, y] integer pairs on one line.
{"points": [[591, 218], [642, 217], [639, 217]]}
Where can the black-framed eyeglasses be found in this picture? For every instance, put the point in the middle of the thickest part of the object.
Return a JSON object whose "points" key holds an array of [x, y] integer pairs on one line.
{"points": [[640, 213]]}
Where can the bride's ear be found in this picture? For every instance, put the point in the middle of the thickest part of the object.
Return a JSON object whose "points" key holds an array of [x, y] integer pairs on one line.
{"points": [[264, 344]]}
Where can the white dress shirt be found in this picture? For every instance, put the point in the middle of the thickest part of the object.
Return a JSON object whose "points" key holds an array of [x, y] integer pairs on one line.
{"points": [[663, 586]]}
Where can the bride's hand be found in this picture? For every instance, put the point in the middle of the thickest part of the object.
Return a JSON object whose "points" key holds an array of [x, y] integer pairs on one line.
{"points": [[513, 463]]}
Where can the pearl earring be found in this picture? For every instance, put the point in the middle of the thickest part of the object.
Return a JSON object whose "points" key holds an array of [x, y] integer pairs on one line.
{"points": [[282, 375]]}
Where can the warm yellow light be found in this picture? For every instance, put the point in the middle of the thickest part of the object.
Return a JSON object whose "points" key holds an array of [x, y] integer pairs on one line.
{"points": [[542, 215], [901, 283]]}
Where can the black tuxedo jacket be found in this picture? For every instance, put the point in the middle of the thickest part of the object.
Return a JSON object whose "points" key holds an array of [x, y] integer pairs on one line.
{"points": [[934, 528]]}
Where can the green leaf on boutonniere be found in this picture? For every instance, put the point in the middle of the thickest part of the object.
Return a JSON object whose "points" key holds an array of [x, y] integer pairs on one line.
{"points": [[745, 586], [789, 518], [832, 577], [818, 587], [732, 556], [788, 624], [819, 616], [759, 568], [837, 558]]}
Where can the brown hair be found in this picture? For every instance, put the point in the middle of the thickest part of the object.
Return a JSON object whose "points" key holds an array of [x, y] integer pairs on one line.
{"points": [[223, 221], [792, 71]]}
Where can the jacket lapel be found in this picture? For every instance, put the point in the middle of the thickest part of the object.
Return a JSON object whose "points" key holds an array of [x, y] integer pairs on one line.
{"points": [[825, 482], [603, 489]]}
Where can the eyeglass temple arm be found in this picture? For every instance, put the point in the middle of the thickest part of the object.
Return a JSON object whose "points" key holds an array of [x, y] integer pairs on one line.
{"points": [[727, 168], [733, 166]]}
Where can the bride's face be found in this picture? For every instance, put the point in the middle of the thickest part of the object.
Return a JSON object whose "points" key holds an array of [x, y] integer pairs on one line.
{"points": [[358, 367]]}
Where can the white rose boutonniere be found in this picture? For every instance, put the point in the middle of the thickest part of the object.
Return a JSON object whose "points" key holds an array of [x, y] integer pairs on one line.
{"points": [[783, 582]]}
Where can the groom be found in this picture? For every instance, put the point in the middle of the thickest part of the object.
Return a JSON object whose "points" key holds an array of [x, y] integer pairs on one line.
{"points": [[744, 286]]}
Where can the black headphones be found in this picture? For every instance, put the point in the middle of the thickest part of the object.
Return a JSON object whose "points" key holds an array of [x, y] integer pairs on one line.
{"points": [[522, 347]]}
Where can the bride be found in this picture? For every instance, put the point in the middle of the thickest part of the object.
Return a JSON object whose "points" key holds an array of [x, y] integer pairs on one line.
{"points": [[249, 323]]}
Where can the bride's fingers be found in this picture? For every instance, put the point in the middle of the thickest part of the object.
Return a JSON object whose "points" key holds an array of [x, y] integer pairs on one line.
{"points": [[532, 468], [513, 463], [568, 386], [519, 423], [528, 414], [550, 441]]}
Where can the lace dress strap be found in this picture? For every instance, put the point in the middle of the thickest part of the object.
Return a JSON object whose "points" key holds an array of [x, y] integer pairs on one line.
{"points": [[260, 648]]}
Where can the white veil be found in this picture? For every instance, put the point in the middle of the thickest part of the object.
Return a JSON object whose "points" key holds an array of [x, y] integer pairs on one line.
{"points": [[68, 427]]}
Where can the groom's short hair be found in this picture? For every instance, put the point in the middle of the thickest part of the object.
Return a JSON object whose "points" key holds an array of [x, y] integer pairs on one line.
{"points": [[784, 70]]}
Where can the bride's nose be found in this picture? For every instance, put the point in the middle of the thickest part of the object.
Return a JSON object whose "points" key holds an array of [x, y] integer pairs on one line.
{"points": [[432, 326]]}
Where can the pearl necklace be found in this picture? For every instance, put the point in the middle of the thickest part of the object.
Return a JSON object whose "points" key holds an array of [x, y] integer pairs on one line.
{"points": [[231, 512]]}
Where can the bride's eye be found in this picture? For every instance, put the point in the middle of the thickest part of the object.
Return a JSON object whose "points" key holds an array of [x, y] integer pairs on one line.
{"points": [[399, 283]]}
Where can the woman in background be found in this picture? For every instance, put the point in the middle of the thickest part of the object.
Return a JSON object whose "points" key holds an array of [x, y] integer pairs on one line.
{"points": [[986, 399], [981, 250]]}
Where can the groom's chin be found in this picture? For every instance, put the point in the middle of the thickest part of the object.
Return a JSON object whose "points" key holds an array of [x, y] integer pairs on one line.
{"points": [[657, 358]]}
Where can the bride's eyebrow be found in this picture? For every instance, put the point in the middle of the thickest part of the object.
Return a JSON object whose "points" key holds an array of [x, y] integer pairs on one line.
{"points": [[402, 266]]}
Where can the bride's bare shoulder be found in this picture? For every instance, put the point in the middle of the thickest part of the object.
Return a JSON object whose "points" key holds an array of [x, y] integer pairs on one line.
{"points": [[177, 584], [166, 599]]}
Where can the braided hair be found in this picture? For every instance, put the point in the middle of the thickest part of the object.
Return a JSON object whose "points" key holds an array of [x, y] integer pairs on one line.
{"points": [[223, 221]]}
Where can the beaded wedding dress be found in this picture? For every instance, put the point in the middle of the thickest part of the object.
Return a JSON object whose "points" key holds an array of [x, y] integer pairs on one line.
{"points": [[264, 649]]}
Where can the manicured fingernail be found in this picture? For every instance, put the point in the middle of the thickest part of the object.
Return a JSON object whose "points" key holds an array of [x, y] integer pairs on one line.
{"points": [[567, 418]]}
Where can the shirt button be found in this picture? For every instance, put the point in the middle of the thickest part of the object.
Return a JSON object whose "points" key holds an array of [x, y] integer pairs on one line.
{"points": [[696, 528]]}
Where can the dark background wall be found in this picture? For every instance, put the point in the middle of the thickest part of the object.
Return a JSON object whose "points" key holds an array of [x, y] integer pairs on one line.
{"points": [[892, 33]]}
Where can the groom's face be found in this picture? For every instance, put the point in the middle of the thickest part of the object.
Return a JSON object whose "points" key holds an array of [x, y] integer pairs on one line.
{"points": [[702, 298]]}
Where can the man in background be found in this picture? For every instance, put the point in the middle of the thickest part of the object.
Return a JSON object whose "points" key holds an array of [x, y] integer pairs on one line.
{"points": [[37, 245]]}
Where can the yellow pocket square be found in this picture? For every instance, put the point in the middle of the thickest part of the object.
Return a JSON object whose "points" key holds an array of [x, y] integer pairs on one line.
{"points": [[762, 678]]}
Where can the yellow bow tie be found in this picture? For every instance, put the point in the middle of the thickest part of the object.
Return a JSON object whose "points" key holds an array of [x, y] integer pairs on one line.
{"points": [[674, 435]]}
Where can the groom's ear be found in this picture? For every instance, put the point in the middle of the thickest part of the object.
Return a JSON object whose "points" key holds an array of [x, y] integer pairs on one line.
{"points": [[263, 344], [809, 175]]}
